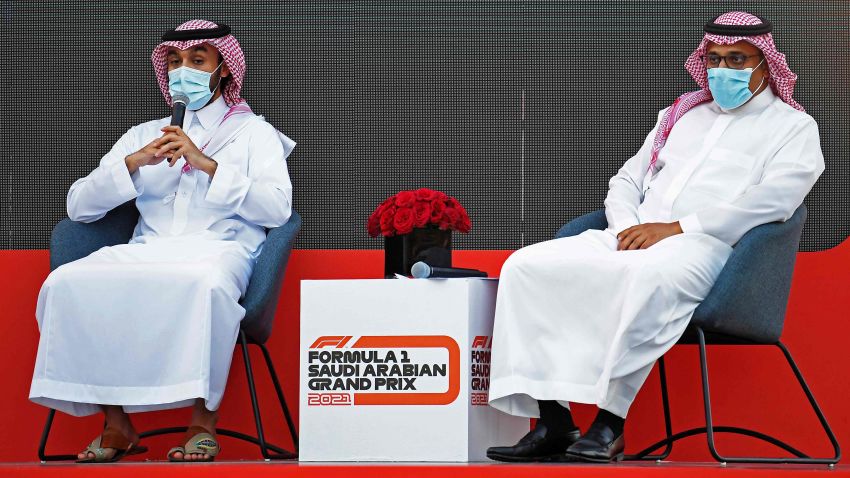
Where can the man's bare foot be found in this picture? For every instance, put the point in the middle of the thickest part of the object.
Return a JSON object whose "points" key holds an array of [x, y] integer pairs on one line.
{"points": [[204, 418], [116, 419]]}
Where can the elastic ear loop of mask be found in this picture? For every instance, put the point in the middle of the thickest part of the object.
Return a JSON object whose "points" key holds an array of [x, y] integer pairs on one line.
{"points": [[763, 77], [222, 63]]}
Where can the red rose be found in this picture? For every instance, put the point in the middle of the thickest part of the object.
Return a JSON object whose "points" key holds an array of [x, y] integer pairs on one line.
{"points": [[403, 220], [450, 218], [425, 194], [464, 225], [462, 211], [405, 199], [387, 201], [437, 209], [387, 221], [440, 195], [421, 213], [373, 225]]}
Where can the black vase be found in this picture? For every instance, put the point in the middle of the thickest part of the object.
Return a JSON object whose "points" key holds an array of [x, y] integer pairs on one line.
{"points": [[429, 245]]}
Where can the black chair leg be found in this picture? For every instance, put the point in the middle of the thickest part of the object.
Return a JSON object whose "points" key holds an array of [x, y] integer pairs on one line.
{"points": [[258, 421], [710, 429], [42, 444], [289, 422], [799, 457], [811, 397], [667, 443]]}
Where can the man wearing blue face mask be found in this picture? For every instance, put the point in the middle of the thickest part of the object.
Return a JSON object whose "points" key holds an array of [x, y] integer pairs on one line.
{"points": [[583, 319], [151, 325], [736, 73]]}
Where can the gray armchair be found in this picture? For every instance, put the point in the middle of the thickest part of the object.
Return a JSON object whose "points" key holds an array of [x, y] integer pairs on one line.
{"points": [[746, 306], [72, 240]]}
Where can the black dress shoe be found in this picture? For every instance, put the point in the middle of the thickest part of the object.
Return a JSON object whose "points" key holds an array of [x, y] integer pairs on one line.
{"points": [[598, 445], [540, 444]]}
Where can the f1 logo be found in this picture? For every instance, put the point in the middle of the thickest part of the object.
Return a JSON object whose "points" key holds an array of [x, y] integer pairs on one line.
{"points": [[481, 342], [337, 341]]}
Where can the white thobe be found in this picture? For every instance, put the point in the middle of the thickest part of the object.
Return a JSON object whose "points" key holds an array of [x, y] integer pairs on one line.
{"points": [[579, 321], [152, 324]]}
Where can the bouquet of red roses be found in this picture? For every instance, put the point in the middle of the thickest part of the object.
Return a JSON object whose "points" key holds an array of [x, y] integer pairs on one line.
{"points": [[402, 212]]}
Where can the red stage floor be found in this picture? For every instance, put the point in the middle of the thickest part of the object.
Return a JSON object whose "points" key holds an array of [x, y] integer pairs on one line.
{"points": [[419, 470]]}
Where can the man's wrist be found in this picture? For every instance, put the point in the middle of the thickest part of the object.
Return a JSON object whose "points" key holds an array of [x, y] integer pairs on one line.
{"points": [[132, 167], [211, 166], [677, 228]]}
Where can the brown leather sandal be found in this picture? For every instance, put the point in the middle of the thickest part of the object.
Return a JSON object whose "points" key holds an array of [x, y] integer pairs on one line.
{"points": [[199, 441], [111, 439]]}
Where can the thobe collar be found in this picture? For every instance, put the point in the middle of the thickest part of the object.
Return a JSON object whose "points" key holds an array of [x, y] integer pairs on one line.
{"points": [[210, 115], [755, 105]]}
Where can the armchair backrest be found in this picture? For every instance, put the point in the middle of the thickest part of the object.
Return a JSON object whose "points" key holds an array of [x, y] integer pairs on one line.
{"points": [[260, 301], [72, 240]]}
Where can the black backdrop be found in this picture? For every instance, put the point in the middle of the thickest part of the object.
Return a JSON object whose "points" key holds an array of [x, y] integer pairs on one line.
{"points": [[522, 110]]}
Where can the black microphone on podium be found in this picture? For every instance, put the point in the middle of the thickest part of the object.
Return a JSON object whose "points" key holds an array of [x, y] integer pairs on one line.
{"points": [[421, 270], [179, 100]]}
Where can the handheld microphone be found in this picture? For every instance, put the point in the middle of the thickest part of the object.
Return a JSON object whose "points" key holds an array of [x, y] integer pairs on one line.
{"points": [[179, 100], [421, 270]]}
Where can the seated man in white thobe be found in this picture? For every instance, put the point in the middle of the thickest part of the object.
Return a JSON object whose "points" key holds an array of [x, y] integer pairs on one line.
{"points": [[583, 319], [152, 324]]}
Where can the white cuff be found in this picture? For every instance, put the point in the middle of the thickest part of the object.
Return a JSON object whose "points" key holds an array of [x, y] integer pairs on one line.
{"points": [[620, 222], [690, 224], [221, 184], [128, 186]]}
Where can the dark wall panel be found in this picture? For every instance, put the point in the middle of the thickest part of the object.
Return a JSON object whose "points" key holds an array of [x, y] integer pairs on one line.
{"points": [[522, 110]]}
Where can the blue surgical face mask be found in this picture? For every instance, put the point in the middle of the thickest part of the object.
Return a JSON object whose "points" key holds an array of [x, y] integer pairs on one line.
{"points": [[731, 88], [193, 83]]}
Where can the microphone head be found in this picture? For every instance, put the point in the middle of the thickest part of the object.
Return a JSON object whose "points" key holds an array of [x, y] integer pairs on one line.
{"points": [[180, 98], [420, 270]]}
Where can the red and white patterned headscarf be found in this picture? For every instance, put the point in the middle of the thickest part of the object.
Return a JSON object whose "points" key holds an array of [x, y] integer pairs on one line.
{"points": [[227, 45], [782, 79]]}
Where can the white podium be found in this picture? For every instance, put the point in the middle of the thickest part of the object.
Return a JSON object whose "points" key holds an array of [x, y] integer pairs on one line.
{"points": [[398, 370]]}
